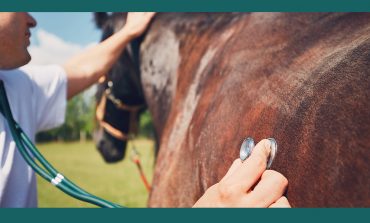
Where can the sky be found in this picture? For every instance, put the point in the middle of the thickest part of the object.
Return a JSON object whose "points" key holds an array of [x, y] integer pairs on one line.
{"points": [[60, 35]]}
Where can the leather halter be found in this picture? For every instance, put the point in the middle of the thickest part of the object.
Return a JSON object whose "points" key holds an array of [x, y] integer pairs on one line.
{"points": [[119, 104]]}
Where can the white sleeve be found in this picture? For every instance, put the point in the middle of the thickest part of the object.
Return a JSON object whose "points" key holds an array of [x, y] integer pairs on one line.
{"points": [[49, 95]]}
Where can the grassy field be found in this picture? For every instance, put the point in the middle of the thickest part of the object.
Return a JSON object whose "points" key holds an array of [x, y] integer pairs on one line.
{"points": [[81, 162]]}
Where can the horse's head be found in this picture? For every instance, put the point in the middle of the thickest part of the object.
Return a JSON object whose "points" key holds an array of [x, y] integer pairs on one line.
{"points": [[119, 97]]}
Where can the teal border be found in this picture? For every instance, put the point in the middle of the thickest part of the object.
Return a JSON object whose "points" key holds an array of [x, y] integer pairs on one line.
{"points": [[187, 5], [184, 215]]}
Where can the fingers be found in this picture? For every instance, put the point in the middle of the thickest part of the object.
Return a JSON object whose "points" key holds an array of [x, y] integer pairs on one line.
{"points": [[249, 172], [235, 188], [270, 188], [137, 22], [147, 16], [151, 14], [236, 165], [281, 203]]}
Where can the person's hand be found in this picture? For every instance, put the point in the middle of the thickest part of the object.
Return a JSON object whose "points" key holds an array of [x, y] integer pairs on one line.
{"points": [[248, 184], [137, 22]]}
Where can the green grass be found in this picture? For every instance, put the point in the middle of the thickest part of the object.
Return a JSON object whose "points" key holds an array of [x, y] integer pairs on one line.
{"points": [[81, 163]]}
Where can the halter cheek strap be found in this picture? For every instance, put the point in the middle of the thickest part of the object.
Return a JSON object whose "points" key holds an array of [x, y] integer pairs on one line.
{"points": [[119, 104]]}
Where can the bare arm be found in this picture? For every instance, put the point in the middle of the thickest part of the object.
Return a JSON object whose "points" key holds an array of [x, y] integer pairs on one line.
{"points": [[86, 68]]}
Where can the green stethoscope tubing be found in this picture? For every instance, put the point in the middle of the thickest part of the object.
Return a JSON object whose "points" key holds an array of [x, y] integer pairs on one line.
{"points": [[25, 147]]}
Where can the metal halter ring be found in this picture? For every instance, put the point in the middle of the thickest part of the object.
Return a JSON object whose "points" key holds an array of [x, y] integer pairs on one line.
{"points": [[248, 145]]}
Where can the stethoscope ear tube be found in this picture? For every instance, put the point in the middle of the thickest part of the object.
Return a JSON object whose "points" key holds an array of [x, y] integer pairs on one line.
{"points": [[25, 147]]}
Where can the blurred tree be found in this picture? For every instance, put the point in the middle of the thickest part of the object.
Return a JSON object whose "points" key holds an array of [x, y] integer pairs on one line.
{"points": [[146, 128], [79, 122]]}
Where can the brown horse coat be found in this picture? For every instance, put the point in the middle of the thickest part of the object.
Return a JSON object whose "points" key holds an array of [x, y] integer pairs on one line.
{"points": [[210, 80]]}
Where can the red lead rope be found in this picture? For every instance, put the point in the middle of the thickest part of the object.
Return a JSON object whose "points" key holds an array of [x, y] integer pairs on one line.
{"points": [[135, 158]]}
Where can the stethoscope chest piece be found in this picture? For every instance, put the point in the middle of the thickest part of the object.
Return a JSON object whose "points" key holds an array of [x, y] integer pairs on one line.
{"points": [[248, 145], [246, 148]]}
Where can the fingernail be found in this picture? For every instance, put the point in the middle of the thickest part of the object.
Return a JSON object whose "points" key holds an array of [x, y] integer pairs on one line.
{"points": [[267, 146], [273, 148]]}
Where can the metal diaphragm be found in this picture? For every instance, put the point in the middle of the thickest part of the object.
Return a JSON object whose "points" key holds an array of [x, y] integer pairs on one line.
{"points": [[248, 145], [246, 148]]}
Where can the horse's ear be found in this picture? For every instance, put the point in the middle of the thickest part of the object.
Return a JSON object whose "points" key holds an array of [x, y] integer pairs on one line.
{"points": [[100, 18]]}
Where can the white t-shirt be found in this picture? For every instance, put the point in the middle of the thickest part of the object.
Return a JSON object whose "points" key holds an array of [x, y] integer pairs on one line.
{"points": [[37, 97]]}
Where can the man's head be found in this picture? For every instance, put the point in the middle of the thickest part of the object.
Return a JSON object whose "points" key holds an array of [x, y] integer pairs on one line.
{"points": [[14, 39]]}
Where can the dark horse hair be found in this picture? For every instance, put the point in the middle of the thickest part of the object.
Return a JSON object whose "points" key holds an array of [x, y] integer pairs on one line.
{"points": [[122, 86]]}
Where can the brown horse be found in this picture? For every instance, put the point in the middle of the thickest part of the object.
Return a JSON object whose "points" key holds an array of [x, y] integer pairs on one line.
{"points": [[210, 80]]}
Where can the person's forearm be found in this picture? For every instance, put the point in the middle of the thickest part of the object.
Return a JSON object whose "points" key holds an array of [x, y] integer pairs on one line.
{"points": [[86, 68]]}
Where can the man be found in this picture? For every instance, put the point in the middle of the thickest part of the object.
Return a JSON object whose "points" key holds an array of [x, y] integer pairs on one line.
{"points": [[38, 96]]}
